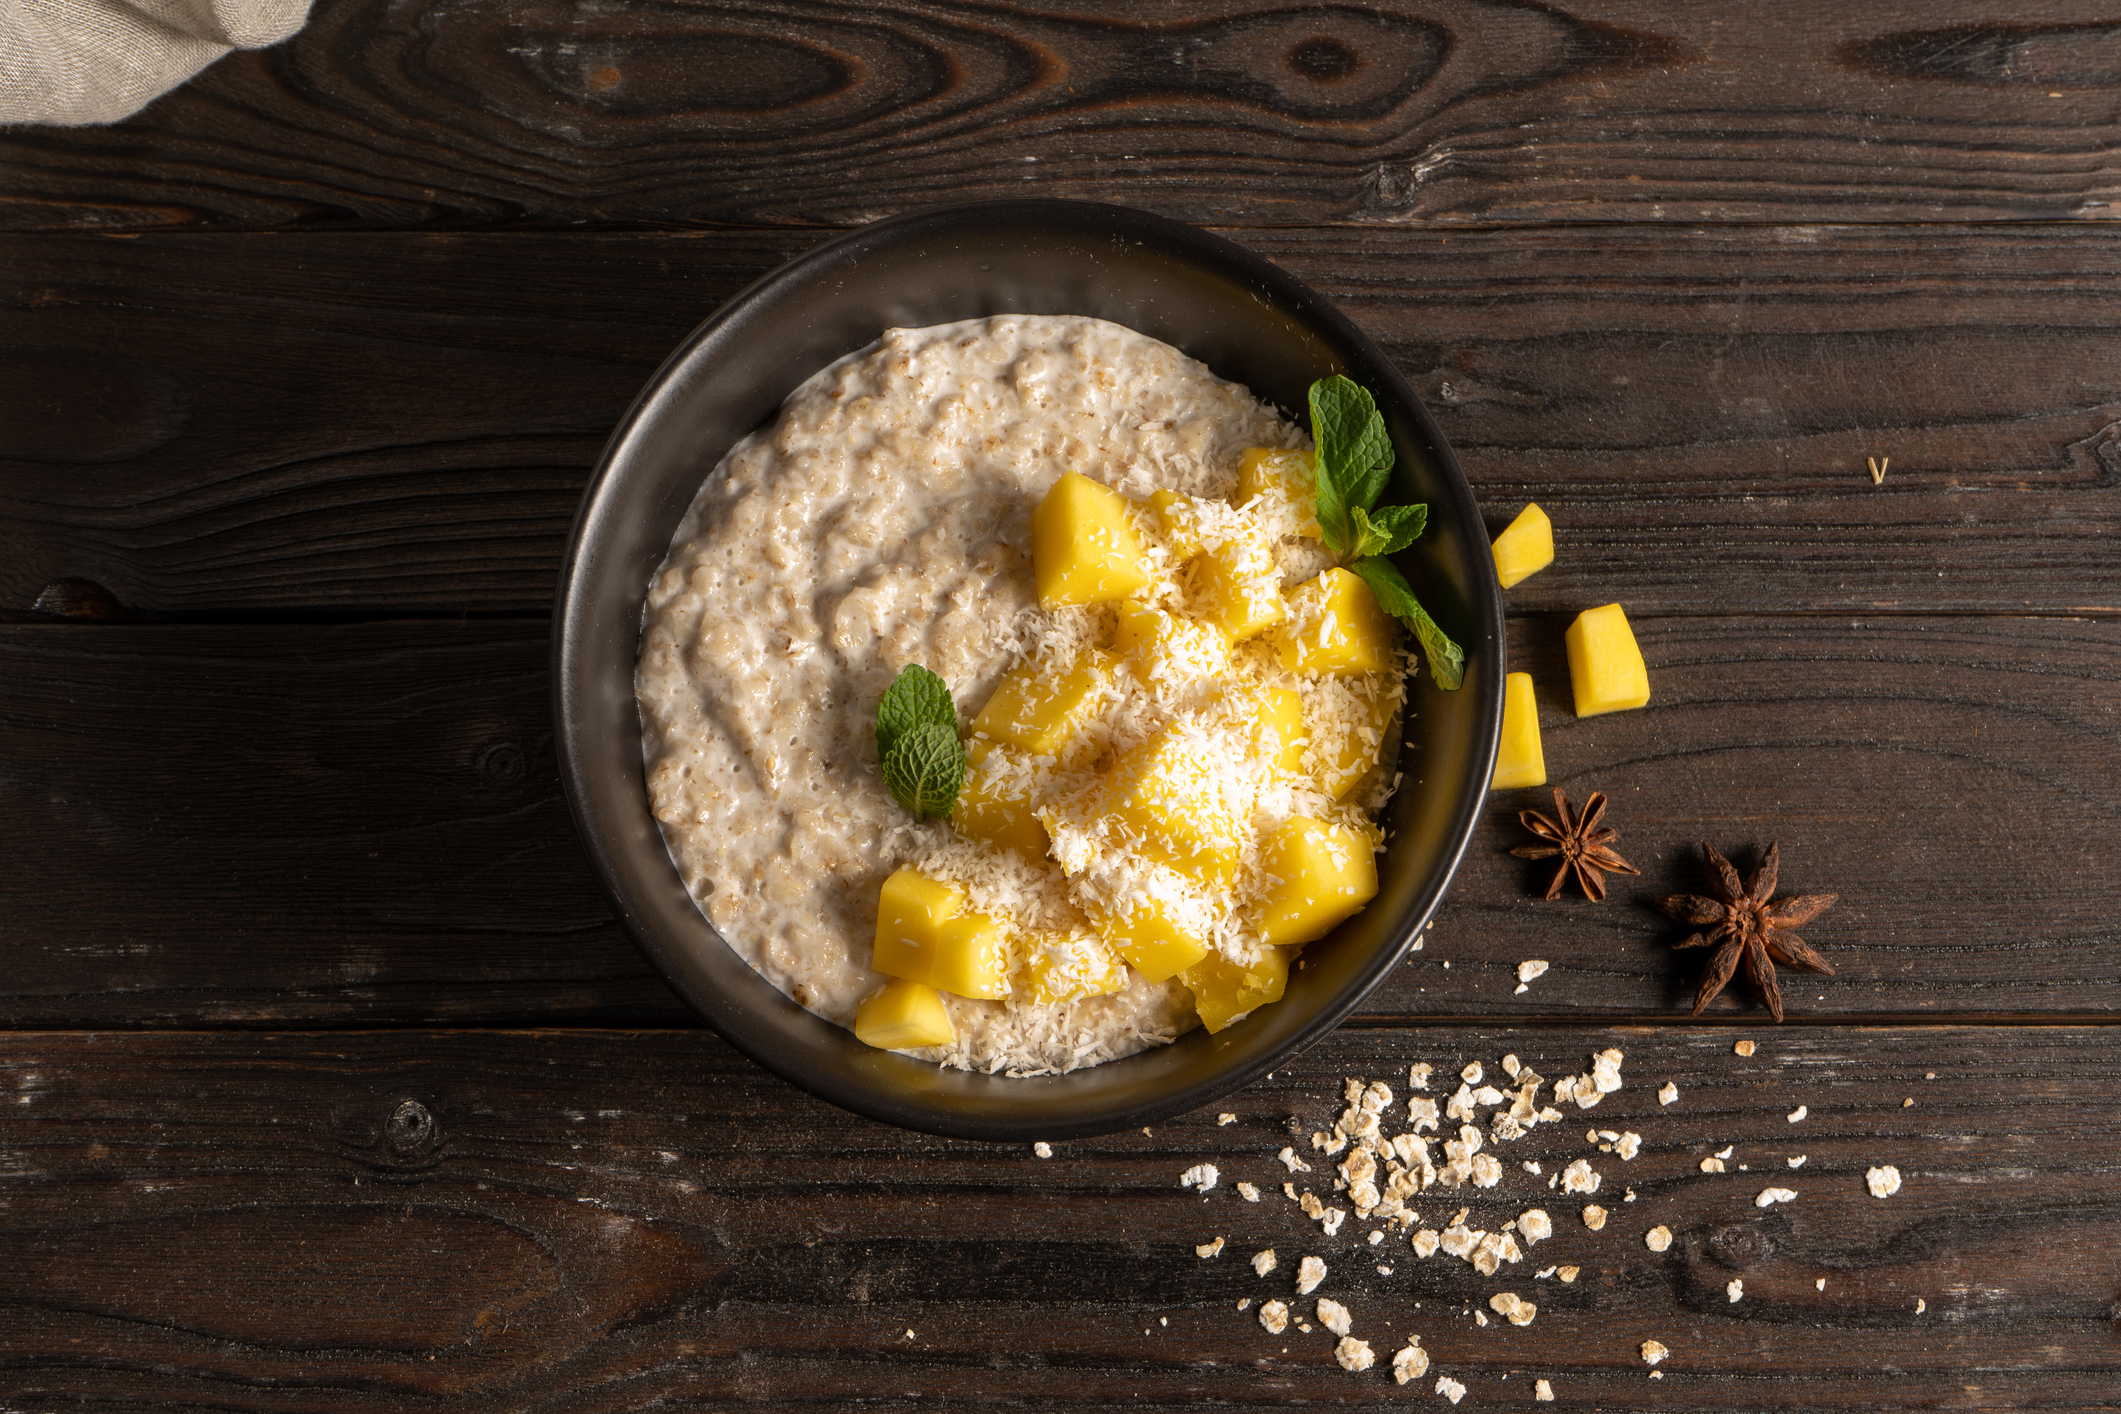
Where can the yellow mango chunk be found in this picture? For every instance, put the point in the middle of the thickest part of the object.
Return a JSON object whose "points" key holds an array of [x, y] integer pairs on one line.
{"points": [[995, 804], [1066, 967], [1286, 480], [1177, 522], [1335, 626], [1083, 547], [1278, 731], [1224, 992], [1519, 761], [923, 935], [1349, 746], [904, 1016], [1149, 935], [1323, 873], [1605, 666], [1038, 713], [1171, 792], [1165, 647], [1240, 587], [1525, 547]]}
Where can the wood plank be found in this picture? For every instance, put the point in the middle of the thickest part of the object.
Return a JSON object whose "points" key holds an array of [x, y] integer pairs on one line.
{"points": [[599, 1220], [1447, 112], [379, 424], [305, 825]]}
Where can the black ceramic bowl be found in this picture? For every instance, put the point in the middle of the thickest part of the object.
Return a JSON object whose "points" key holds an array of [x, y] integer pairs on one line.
{"points": [[1248, 321]]}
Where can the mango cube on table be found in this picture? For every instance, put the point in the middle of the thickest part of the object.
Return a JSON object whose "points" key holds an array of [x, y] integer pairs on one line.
{"points": [[1519, 761], [995, 804], [904, 1016], [1066, 967], [1225, 992], [1287, 480], [1605, 665], [924, 935], [1150, 934], [1335, 626], [1039, 713], [1083, 546], [1324, 873], [1241, 584], [1525, 547]]}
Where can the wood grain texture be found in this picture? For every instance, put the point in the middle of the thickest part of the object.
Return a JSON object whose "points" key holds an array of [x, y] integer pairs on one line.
{"points": [[379, 424], [419, 113], [309, 825], [602, 1221]]}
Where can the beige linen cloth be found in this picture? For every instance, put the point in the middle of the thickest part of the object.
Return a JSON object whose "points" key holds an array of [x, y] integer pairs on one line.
{"points": [[71, 62]]}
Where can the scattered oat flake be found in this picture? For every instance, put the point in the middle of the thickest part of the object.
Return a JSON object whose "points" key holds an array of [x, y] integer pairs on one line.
{"points": [[1353, 1354], [1531, 1166], [1450, 1389], [1411, 1363], [1745, 1048], [1658, 1238], [1426, 1242], [1819, 1285], [1656, 1374], [1712, 1164], [1930, 1076], [1264, 1262], [1248, 1192], [1653, 1351], [1376, 1237], [1309, 1273], [1274, 1315], [1294, 1164], [1201, 1176], [1511, 1066], [1669, 1094], [1209, 1249], [1908, 1103], [1244, 1303], [1921, 1305], [1593, 1217], [1226, 1118], [1042, 1149], [1580, 1177], [1798, 1161], [1512, 1307], [1569, 1274], [1726, 1151], [1528, 971], [1884, 1182], [1535, 1225], [1334, 1316], [1418, 1076], [1799, 1113], [1734, 1289], [1543, 1392], [1482, 1318], [1769, 1197]]}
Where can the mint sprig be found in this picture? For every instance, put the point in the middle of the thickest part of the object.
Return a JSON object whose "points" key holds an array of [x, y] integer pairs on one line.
{"points": [[1354, 467], [917, 741]]}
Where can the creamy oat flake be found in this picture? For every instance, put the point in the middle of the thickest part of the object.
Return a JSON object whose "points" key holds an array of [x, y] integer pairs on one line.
{"points": [[884, 519]]}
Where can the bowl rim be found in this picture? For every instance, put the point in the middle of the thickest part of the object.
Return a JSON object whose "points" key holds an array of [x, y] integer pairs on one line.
{"points": [[737, 1020]]}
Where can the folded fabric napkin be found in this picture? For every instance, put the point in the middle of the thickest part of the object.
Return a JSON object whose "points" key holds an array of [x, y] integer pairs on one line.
{"points": [[95, 61]]}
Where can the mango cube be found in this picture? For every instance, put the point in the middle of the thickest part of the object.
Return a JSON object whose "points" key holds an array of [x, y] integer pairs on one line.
{"points": [[904, 1016], [1519, 760], [1066, 967], [1166, 648], [1037, 713], [1172, 793], [1178, 523], [924, 935], [1323, 872], [1226, 992], [1605, 666], [1278, 730], [1149, 934], [1349, 747], [995, 804], [1525, 547], [1240, 585], [1083, 547], [1335, 626], [1285, 479]]}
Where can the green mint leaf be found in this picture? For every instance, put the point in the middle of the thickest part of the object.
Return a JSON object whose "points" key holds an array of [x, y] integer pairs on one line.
{"points": [[1447, 661], [916, 698], [1354, 456], [924, 769], [1387, 530]]}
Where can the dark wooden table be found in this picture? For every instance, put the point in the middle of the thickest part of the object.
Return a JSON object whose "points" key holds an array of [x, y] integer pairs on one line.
{"points": [[329, 1083]]}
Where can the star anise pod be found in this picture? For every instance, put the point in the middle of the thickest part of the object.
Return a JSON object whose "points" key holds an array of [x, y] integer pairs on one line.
{"points": [[1748, 926], [1582, 846]]}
